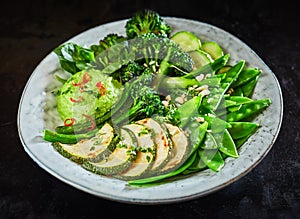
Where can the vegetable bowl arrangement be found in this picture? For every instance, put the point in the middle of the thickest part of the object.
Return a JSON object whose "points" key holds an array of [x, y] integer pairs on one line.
{"points": [[150, 109], [153, 105]]}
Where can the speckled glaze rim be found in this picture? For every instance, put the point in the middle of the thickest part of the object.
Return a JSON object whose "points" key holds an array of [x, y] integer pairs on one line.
{"points": [[146, 199]]}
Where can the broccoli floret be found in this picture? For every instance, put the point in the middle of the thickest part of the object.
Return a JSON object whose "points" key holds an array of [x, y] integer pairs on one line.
{"points": [[152, 47], [146, 21], [146, 104], [128, 72], [108, 41], [138, 85]]}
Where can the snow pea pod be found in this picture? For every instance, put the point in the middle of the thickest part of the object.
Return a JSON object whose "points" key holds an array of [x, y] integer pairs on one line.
{"points": [[196, 132], [245, 76], [214, 99], [238, 92], [196, 166], [210, 68], [227, 145], [249, 87], [188, 110], [249, 109], [233, 74], [212, 158], [216, 124], [240, 130], [239, 142]]}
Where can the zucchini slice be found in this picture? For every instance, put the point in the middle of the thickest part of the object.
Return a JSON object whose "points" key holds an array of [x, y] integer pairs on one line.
{"points": [[200, 58], [180, 151], [94, 149], [163, 145], [145, 153], [213, 49], [186, 40], [119, 160]]}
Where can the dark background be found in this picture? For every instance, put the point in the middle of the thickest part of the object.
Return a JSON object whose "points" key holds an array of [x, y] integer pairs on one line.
{"points": [[29, 30]]}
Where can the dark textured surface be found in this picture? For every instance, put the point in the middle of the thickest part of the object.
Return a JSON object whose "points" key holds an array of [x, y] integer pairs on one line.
{"points": [[31, 29]]}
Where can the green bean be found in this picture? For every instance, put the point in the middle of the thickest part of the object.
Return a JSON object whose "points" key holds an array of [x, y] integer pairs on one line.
{"points": [[153, 179], [67, 139], [83, 127]]}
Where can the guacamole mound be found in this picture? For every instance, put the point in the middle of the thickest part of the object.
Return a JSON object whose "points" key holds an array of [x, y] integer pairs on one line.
{"points": [[87, 94]]}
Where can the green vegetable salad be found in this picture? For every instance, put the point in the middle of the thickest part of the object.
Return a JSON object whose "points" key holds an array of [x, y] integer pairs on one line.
{"points": [[153, 104]]}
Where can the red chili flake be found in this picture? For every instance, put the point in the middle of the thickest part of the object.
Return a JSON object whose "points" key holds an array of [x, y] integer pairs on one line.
{"points": [[69, 122], [101, 88], [86, 78], [80, 98], [79, 84], [93, 126]]}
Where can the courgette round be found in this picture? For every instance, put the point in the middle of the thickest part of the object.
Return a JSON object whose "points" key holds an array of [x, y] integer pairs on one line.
{"points": [[186, 40], [213, 49], [200, 58]]}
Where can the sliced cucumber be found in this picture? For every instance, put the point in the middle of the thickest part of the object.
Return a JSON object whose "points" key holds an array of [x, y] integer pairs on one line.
{"points": [[145, 153], [213, 49], [119, 160], [94, 149], [200, 58], [187, 41], [163, 146]]}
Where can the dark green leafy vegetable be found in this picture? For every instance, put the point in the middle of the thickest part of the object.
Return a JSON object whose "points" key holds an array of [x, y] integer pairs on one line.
{"points": [[74, 58]]}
